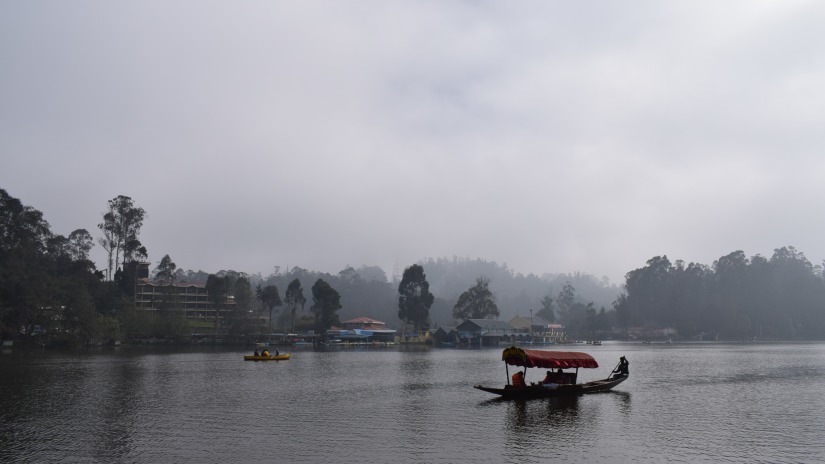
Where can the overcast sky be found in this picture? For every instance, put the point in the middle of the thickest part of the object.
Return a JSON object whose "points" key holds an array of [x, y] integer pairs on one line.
{"points": [[551, 136]]}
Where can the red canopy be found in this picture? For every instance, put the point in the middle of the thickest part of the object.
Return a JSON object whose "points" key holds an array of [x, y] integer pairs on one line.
{"points": [[547, 359]]}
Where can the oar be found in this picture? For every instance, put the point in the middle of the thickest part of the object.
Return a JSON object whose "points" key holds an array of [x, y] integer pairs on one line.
{"points": [[614, 371]]}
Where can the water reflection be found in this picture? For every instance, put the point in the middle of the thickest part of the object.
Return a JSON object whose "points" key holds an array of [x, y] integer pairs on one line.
{"points": [[116, 410], [536, 428], [415, 370], [622, 399], [546, 413], [540, 429], [415, 374]]}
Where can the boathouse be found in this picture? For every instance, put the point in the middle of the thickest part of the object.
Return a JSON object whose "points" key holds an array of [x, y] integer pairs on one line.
{"points": [[537, 330], [361, 330], [484, 332]]}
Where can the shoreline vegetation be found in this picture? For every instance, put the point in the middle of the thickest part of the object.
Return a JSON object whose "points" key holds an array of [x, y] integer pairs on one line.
{"points": [[52, 295]]}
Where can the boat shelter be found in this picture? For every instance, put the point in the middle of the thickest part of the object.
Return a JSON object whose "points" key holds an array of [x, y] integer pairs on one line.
{"points": [[548, 359], [484, 332], [361, 330], [515, 356], [445, 336]]}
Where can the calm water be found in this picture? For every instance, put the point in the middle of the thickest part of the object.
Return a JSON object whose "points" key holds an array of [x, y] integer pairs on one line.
{"points": [[689, 403]]}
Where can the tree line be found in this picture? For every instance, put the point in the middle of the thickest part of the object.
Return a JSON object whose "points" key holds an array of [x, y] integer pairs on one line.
{"points": [[412, 303], [737, 297], [52, 294], [48, 285], [50, 290], [367, 291]]}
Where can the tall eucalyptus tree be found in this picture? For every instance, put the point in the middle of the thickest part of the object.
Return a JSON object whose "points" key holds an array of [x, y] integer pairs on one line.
{"points": [[216, 290], [270, 298], [294, 297], [121, 226]]}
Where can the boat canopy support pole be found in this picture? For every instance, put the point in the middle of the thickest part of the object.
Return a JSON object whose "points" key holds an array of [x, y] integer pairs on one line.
{"points": [[507, 372]]}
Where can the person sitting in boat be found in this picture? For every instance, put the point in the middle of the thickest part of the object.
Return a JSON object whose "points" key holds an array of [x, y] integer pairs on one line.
{"points": [[552, 380], [561, 379], [256, 352], [623, 369], [265, 353], [518, 379]]}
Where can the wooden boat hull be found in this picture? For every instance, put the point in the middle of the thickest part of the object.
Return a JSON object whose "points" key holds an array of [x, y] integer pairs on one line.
{"points": [[540, 391], [280, 357]]}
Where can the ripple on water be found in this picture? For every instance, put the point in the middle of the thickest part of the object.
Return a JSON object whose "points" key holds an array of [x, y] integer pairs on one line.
{"points": [[682, 404]]}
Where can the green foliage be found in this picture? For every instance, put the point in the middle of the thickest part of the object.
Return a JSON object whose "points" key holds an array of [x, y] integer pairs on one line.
{"points": [[165, 272], [242, 291], [304, 324], [241, 321], [121, 226], [165, 275], [780, 298], [372, 274], [23, 231], [515, 293], [163, 324], [216, 290], [51, 293], [414, 297], [241, 326], [547, 311], [364, 291], [581, 320], [326, 303], [49, 290], [294, 298], [476, 303], [565, 300], [270, 298], [107, 328], [79, 244]]}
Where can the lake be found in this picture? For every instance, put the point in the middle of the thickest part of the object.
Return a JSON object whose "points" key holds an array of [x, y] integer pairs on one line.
{"points": [[709, 402]]}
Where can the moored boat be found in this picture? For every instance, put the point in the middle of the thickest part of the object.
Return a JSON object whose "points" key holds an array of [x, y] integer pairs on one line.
{"points": [[559, 384], [275, 357]]}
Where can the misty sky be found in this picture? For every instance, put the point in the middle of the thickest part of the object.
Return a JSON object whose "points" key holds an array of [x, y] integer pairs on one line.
{"points": [[551, 136]]}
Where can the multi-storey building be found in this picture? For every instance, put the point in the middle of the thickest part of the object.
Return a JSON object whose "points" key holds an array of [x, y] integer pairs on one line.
{"points": [[192, 298]]}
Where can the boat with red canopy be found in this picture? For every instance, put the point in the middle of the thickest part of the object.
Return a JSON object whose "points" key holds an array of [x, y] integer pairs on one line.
{"points": [[558, 383]]}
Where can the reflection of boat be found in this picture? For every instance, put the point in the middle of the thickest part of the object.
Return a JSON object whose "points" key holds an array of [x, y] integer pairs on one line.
{"points": [[553, 360], [276, 357]]}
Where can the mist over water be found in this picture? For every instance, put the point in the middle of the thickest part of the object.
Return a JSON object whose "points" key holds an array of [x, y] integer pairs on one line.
{"points": [[682, 403]]}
